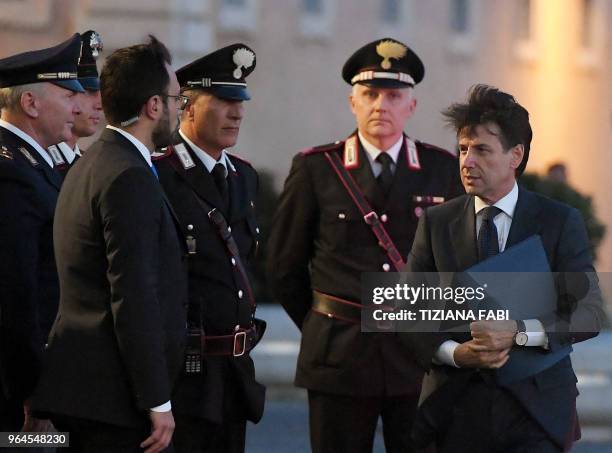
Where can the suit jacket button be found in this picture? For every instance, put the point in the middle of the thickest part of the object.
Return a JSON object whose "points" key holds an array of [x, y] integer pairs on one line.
{"points": [[384, 218], [240, 294], [386, 267]]}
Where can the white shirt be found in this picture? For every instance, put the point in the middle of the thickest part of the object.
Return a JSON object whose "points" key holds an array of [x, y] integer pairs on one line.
{"points": [[503, 222], [29, 140], [207, 159], [147, 156], [137, 143], [69, 153], [372, 152]]}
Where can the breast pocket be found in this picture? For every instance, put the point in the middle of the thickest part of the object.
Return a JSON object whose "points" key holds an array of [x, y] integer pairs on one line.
{"points": [[343, 229]]}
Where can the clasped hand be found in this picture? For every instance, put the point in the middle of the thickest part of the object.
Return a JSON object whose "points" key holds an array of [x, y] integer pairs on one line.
{"points": [[489, 347]]}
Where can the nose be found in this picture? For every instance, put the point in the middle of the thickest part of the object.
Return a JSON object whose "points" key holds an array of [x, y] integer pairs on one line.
{"points": [[468, 159], [236, 112], [382, 102]]}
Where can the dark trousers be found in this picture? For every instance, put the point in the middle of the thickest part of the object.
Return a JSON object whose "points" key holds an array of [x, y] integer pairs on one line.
{"points": [[89, 436], [488, 419], [197, 435], [347, 424]]}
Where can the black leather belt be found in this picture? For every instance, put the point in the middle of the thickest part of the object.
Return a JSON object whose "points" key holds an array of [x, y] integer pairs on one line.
{"points": [[345, 310], [335, 307]]}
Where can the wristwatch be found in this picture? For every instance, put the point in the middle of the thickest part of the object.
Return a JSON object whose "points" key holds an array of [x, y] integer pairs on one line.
{"points": [[520, 337]]}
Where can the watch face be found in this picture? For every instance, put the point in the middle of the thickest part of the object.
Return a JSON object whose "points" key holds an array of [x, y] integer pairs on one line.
{"points": [[521, 338]]}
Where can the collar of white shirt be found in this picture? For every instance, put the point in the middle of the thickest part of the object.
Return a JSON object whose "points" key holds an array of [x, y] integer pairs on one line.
{"points": [[137, 143], [206, 158], [69, 153], [507, 203], [33, 143], [373, 152]]}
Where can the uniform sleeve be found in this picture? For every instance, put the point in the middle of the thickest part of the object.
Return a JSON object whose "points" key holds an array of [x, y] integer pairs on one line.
{"points": [[131, 210], [291, 242], [21, 225]]}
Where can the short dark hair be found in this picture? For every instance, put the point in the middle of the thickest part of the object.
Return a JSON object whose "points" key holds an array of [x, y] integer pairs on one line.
{"points": [[487, 104], [132, 75]]}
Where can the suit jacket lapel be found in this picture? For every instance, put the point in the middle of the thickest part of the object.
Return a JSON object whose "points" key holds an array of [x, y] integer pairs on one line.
{"points": [[526, 220], [117, 139], [463, 236]]}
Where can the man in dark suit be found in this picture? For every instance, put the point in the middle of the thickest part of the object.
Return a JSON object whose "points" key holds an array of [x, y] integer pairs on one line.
{"points": [[213, 401], [320, 245], [65, 154], [38, 99], [116, 346], [465, 407]]}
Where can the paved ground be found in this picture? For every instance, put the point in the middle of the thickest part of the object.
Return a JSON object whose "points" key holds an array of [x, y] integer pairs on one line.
{"points": [[284, 427]]}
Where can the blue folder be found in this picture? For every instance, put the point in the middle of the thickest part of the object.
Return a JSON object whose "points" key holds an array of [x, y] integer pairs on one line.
{"points": [[528, 292]]}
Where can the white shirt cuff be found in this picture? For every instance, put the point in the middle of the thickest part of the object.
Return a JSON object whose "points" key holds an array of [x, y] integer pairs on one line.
{"points": [[535, 333], [445, 353], [166, 407]]}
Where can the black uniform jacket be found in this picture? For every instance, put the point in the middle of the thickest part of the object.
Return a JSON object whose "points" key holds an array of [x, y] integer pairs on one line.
{"points": [[446, 242], [218, 298], [319, 241], [116, 346], [29, 291]]}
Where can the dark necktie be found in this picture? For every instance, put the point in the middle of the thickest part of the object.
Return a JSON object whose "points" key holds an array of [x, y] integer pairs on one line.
{"points": [[488, 241], [385, 178], [218, 173]]}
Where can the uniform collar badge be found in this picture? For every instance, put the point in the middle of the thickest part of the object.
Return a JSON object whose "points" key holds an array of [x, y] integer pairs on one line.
{"points": [[28, 156], [184, 156], [56, 155]]}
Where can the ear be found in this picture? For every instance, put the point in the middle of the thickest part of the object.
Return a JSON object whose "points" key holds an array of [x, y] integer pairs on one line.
{"points": [[154, 107], [351, 100], [189, 112], [413, 105], [518, 151], [30, 104]]}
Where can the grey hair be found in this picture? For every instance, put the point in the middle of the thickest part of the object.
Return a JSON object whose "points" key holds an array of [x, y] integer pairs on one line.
{"points": [[10, 97]]}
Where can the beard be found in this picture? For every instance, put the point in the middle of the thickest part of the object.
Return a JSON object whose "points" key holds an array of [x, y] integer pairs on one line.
{"points": [[163, 132]]}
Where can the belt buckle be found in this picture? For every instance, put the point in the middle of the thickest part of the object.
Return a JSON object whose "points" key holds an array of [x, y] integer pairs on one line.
{"points": [[371, 218], [240, 337]]}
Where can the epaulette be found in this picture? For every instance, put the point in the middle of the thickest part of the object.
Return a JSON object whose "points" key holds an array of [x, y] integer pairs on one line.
{"points": [[241, 159], [429, 146], [161, 153], [5, 153], [322, 148]]}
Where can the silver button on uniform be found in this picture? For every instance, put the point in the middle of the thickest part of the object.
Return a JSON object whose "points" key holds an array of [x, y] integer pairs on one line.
{"points": [[386, 267]]}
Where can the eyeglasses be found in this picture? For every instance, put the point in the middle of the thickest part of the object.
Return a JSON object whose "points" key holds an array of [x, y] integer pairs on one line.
{"points": [[182, 100]]}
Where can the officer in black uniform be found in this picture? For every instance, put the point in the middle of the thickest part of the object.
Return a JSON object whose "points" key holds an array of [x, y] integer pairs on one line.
{"points": [[37, 93], [213, 193], [320, 245], [65, 154]]}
